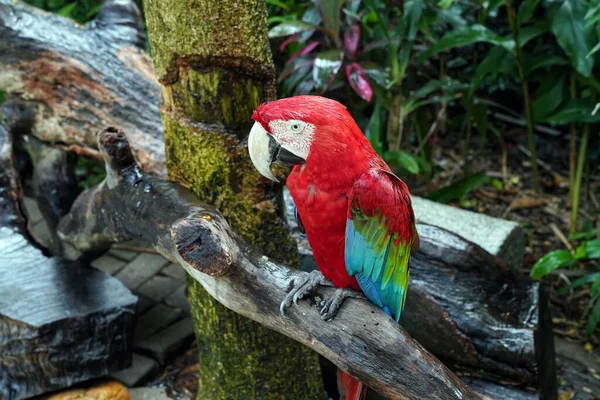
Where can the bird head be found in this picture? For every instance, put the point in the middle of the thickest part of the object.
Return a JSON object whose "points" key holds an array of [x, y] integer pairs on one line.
{"points": [[294, 130]]}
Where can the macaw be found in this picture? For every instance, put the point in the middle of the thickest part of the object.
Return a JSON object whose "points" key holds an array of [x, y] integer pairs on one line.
{"points": [[357, 215]]}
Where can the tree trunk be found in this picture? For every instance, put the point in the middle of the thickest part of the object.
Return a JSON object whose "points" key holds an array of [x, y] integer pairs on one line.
{"points": [[214, 63]]}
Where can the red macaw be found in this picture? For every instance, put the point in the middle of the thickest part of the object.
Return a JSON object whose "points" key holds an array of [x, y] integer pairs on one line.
{"points": [[357, 215]]}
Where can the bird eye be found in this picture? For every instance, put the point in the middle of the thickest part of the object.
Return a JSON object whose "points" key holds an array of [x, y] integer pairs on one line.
{"points": [[296, 126]]}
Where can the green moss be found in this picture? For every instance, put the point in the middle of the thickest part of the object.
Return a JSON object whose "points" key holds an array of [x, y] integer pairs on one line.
{"points": [[207, 29], [276, 368]]}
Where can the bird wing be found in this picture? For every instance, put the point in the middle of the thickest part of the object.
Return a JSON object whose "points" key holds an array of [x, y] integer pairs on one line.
{"points": [[380, 236]]}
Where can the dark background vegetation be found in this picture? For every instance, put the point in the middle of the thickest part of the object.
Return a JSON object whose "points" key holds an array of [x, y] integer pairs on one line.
{"points": [[485, 105]]}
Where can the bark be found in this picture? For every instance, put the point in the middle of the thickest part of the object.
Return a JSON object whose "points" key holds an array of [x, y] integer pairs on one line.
{"points": [[60, 322], [361, 339], [79, 79], [214, 63]]}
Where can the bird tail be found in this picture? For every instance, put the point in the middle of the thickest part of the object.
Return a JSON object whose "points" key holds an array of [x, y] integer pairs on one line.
{"points": [[350, 388]]}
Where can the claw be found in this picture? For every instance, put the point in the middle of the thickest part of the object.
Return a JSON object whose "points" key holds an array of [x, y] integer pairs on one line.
{"points": [[302, 288], [332, 306]]}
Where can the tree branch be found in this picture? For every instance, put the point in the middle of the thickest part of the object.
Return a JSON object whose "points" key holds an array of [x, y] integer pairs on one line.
{"points": [[361, 340]]}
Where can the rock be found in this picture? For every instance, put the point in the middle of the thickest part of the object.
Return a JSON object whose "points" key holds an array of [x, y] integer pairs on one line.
{"points": [[166, 343], [142, 268], [148, 394], [500, 237], [141, 370]]}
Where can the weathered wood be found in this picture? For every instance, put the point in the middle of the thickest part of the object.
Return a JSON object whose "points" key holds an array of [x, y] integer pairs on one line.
{"points": [[79, 79], [60, 322], [361, 339], [54, 184]]}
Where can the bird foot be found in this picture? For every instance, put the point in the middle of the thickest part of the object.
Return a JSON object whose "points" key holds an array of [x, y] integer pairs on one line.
{"points": [[332, 306], [302, 288]]}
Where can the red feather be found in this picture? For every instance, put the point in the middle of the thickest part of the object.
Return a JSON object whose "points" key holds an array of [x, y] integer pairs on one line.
{"points": [[339, 155]]}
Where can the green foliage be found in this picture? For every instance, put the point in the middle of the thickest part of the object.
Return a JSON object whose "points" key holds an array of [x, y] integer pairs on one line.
{"points": [[81, 11], [586, 253], [89, 172], [460, 188]]}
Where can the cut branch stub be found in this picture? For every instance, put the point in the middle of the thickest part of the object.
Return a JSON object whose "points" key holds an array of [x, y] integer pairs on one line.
{"points": [[200, 245]]}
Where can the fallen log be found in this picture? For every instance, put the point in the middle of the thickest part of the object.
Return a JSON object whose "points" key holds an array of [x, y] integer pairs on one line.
{"points": [[60, 322], [79, 79], [361, 339]]}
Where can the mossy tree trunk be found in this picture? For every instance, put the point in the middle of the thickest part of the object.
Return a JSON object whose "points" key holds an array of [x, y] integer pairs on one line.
{"points": [[214, 63]]}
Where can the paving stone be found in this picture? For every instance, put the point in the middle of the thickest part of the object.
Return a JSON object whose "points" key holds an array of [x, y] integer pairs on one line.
{"points": [[155, 319], [143, 304], [108, 264], [158, 287], [31, 209], [125, 255], [175, 271], [142, 268], [144, 393], [179, 299], [41, 233], [168, 342], [141, 371], [500, 237]]}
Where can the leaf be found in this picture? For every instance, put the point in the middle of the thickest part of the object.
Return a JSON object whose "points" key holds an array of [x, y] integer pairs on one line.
{"points": [[532, 31], [377, 73], [374, 131], [592, 248], [549, 96], [586, 234], [445, 3], [425, 90], [306, 50], [592, 277], [579, 110], [568, 28], [403, 159], [357, 78], [351, 38], [2, 96], [544, 60], [594, 50], [593, 320], [465, 36], [66, 10], [550, 262], [289, 28], [412, 15], [526, 10], [326, 66], [592, 15], [487, 66], [459, 188], [330, 10]]}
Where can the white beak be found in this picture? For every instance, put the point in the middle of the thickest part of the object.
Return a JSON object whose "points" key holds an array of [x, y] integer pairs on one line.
{"points": [[260, 153]]}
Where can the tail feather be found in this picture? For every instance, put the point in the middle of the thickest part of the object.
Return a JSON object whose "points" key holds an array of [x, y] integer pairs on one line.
{"points": [[350, 388]]}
